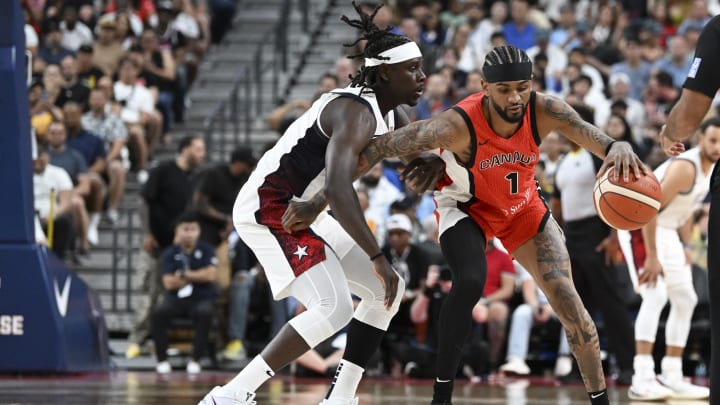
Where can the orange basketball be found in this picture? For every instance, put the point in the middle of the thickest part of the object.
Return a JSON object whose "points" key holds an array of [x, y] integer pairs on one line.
{"points": [[627, 206]]}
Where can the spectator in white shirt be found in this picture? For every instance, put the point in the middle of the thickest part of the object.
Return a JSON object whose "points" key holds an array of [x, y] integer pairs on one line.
{"points": [[137, 102], [75, 33], [31, 38], [69, 210]]}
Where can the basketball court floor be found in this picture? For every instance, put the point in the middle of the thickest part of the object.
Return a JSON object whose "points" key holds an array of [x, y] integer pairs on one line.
{"points": [[149, 388]]}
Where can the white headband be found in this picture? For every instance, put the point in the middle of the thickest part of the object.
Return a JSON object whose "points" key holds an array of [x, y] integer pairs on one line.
{"points": [[402, 53]]}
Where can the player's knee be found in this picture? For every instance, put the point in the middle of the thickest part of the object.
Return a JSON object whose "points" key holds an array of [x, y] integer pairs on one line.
{"points": [[373, 311], [115, 168], [524, 311], [469, 283], [683, 298], [655, 297], [323, 319], [338, 312]]}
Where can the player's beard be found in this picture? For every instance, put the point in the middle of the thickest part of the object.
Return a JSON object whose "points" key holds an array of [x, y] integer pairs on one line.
{"points": [[505, 116], [708, 157]]}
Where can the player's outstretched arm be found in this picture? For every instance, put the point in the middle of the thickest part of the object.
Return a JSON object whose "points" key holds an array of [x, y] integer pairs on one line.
{"points": [[446, 130], [556, 114]]}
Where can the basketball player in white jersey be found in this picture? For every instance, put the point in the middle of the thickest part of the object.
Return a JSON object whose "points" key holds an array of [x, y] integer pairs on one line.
{"points": [[338, 255], [666, 274]]}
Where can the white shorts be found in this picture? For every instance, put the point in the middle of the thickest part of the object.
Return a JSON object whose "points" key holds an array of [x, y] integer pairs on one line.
{"points": [[285, 256]]}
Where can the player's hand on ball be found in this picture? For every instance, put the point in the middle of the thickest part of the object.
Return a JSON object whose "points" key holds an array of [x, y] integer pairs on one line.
{"points": [[622, 157], [423, 172]]}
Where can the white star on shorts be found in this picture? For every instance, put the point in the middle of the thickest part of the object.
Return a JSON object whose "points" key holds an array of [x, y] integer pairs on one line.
{"points": [[301, 251]]}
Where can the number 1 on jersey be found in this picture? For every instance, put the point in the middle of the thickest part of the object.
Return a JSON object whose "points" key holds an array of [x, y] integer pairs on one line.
{"points": [[512, 177]]}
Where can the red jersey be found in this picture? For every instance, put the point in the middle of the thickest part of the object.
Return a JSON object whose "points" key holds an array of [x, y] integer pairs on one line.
{"points": [[498, 187], [498, 263]]}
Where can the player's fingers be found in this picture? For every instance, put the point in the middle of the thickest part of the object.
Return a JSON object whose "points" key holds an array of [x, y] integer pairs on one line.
{"points": [[626, 170], [603, 168], [390, 294], [299, 225], [289, 213], [637, 168], [287, 223], [287, 226]]}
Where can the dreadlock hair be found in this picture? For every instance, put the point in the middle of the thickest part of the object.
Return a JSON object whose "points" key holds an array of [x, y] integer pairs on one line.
{"points": [[505, 54], [378, 41]]}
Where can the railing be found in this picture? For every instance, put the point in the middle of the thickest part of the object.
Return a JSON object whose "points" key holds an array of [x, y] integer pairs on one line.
{"points": [[122, 250], [235, 113]]}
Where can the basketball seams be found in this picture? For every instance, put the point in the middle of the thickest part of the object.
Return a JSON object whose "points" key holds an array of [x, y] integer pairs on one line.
{"points": [[635, 196], [616, 212]]}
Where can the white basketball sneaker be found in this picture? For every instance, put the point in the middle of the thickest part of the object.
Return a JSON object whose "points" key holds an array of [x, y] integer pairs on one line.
{"points": [[648, 389], [336, 401], [515, 365], [219, 396], [682, 389]]}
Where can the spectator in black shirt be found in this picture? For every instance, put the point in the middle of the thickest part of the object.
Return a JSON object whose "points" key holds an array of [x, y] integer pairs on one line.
{"points": [[73, 89], [217, 192], [88, 74], [51, 51], [168, 190], [189, 270]]}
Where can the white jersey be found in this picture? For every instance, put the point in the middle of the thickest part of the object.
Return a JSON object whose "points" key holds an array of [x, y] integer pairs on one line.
{"points": [[295, 169], [679, 209], [295, 166]]}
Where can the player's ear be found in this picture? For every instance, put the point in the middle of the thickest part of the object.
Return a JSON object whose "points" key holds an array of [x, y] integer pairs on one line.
{"points": [[383, 72]]}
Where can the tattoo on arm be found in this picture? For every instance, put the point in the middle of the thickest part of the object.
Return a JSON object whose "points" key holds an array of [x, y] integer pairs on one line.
{"points": [[577, 129], [416, 137]]}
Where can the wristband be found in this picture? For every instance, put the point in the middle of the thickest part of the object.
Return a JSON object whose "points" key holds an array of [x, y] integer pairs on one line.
{"points": [[372, 258], [607, 149], [428, 292]]}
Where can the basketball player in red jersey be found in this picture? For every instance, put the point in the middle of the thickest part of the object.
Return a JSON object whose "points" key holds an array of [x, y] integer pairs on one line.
{"points": [[489, 147]]}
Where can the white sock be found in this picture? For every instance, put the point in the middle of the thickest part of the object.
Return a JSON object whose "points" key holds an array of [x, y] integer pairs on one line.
{"points": [[346, 381], [644, 365], [671, 367], [251, 377], [94, 219]]}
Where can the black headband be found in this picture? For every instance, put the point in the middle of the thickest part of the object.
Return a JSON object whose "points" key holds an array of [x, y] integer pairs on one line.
{"points": [[509, 72]]}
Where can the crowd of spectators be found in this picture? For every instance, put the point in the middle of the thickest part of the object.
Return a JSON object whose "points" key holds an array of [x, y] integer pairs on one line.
{"points": [[109, 79]]}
